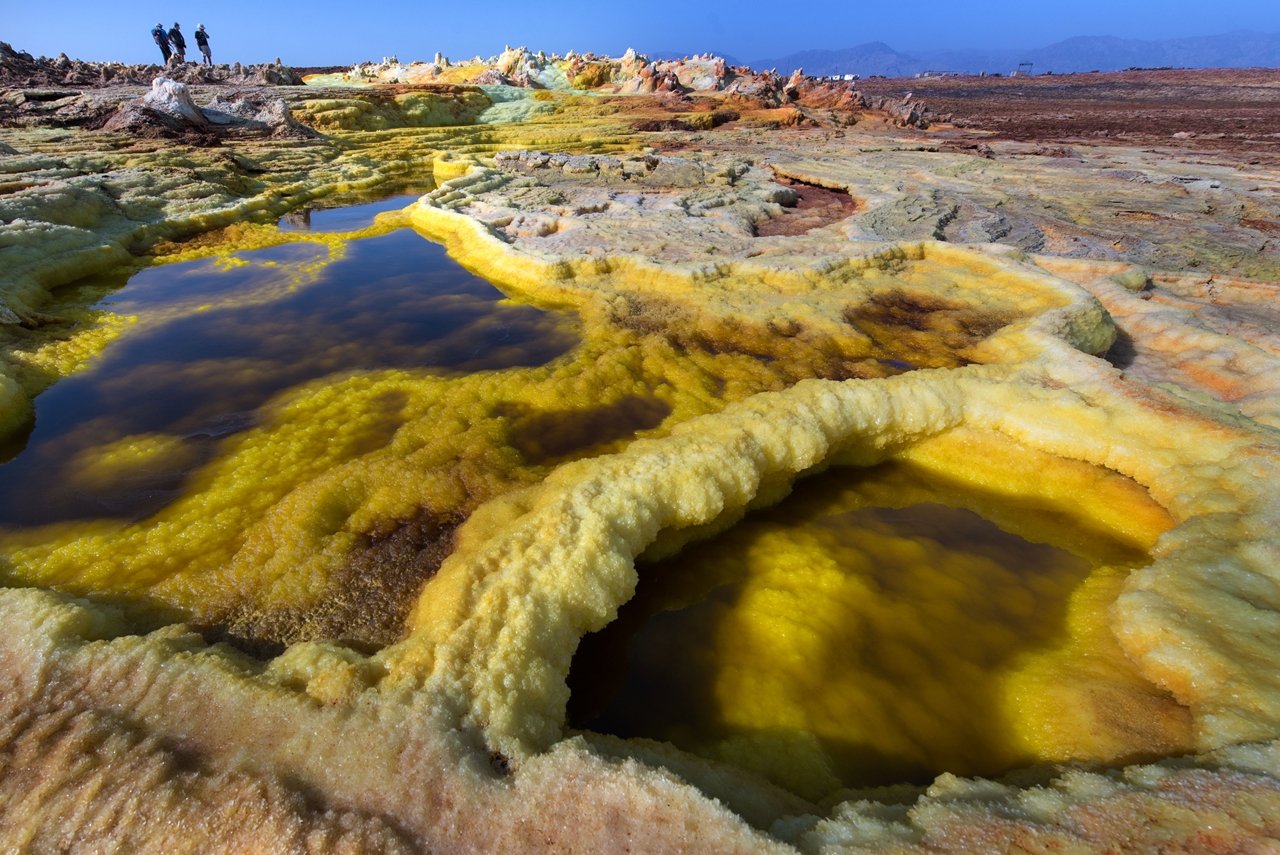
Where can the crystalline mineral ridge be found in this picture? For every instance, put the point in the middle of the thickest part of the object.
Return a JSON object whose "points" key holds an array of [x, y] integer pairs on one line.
{"points": [[754, 261]]}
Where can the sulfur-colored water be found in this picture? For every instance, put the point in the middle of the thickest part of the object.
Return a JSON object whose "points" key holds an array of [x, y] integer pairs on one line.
{"points": [[880, 625], [217, 338]]}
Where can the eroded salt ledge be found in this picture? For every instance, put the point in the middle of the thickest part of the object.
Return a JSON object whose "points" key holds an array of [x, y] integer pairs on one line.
{"points": [[123, 727]]}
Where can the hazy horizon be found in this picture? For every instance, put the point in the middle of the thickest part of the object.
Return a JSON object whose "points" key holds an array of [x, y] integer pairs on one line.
{"points": [[326, 33]]}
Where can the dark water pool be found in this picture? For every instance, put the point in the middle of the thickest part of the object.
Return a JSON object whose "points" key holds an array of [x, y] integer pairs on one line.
{"points": [[215, 342], [835, 640]]}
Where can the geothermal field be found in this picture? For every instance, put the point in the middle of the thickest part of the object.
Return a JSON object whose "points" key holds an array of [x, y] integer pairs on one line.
{"points": [[588, 454]]}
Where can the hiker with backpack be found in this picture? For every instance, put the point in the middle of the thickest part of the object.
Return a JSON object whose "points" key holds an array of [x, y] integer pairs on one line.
{"points": [[162, 41], [178, 42]]}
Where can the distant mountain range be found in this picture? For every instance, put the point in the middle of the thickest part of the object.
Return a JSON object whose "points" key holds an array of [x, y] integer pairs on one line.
{"points": [[865, 59], [1082, 53]]}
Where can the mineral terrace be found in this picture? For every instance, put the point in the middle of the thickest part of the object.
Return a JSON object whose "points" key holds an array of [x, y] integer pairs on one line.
{"points": [[353, 628]]}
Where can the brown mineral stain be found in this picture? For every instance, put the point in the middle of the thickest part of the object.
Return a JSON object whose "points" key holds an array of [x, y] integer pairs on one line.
{"points": [[816, 207], [788, 350], [368, 600], [922, 329], [542, 436], [1271, 227]]}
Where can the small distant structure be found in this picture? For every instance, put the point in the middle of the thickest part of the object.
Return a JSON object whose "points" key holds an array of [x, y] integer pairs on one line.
{"points": [[837, 78], [925, 74], [1023, 70]]}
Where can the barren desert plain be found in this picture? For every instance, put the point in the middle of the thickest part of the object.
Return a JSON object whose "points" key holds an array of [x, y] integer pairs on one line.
{"points": [[588, 454]]}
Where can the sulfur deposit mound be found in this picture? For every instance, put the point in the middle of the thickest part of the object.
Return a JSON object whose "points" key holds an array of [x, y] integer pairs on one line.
{"points": [[931, 486], [803, 100]]}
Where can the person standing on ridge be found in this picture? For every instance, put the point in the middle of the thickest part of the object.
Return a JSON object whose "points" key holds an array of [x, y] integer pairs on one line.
{"points": [[162, 41], [178, 42], [202, 42]]}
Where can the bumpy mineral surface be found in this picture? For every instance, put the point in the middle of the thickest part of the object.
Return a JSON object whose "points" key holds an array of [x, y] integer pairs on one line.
{"points": [[788, 336]]}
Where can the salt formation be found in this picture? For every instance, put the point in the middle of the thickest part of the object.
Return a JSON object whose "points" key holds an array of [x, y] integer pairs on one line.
{"points": [[962, 318], [630, 74]]}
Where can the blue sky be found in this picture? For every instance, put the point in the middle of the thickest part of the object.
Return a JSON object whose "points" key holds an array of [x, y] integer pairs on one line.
{"points": [[324, 32]]}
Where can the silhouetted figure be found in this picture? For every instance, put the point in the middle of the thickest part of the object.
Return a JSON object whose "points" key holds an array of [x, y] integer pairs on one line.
{"points": [[179, 43], [202, 42], [162, 41]]}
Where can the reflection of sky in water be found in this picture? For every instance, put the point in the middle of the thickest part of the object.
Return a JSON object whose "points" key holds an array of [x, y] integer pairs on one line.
{"points": [[196, 283], [395, 301], [344, 219]]}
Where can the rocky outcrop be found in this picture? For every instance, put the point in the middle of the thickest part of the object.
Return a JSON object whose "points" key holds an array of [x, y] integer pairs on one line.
{"points": [[253, 113], [905, 112], [166, 111], [54, 108], [169, 111], [649, 80], [493, 77], [648, 170], [701, 73], [764, 89], [21, 69]]}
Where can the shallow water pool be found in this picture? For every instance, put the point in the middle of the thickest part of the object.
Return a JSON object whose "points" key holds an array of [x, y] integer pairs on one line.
{"points": [[879, 626], [217, 338]]}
